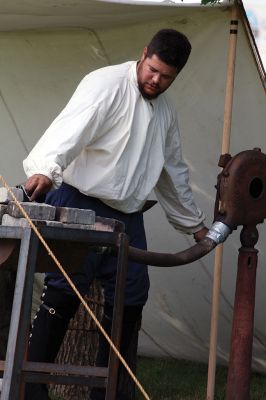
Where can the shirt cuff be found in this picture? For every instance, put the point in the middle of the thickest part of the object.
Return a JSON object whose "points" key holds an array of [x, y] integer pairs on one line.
{"points": [[50, 169]]}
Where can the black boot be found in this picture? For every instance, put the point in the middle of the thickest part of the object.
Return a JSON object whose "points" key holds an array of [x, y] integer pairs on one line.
{"points": [[130, 327], [48, 331]]}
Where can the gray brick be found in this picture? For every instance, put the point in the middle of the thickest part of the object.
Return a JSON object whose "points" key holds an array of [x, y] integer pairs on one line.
{"points": [[75, 216], [80, 226], [7, 220], [3, 211], [101, 224], [55, 224], [5, 196], [38, 211], [58, 224], [109, 224]]}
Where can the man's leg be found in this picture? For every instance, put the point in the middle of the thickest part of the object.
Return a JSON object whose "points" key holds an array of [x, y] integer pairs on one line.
{"points": [[48, 331], [59, 303], [136, 293], [130, 326], [137, 285]]}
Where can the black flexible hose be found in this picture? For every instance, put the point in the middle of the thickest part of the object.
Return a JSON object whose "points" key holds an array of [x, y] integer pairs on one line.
{"points": [[172, 260]]}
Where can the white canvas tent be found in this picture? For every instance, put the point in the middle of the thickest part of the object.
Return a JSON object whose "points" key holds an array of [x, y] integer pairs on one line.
{"points": [[45, 50]]}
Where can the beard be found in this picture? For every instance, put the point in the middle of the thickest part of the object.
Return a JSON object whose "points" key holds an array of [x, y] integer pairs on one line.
{"points": [[141, 84], [148, 96]]}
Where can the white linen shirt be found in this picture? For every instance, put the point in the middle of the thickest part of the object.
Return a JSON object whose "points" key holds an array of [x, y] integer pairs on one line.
{"points": [[111, 143]]}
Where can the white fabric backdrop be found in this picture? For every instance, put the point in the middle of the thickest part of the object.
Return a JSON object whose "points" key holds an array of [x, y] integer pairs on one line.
{"points": [[39, 70]]}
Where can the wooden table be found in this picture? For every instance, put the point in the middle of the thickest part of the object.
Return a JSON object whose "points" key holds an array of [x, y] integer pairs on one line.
{"points": [[22, 248]]}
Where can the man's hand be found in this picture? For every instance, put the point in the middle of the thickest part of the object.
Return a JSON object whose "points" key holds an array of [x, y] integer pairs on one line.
{"points": [[198, 236], [37, 184]]}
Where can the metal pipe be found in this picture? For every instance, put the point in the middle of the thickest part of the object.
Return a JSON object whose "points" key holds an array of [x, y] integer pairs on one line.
{"points": [[217, 234], [239, 371]]}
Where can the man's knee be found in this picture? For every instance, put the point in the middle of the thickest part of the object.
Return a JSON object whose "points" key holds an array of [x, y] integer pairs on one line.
{"points": [[59, 302]]}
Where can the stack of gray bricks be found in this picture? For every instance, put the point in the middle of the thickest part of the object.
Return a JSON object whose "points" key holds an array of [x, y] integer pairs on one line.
{"points": [[41, 213]]}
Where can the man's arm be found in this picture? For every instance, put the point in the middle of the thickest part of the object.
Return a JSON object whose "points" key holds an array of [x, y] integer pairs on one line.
{"points": [[37, 184], [199, 235], [179, 205], [173, 190], [72, 130]]}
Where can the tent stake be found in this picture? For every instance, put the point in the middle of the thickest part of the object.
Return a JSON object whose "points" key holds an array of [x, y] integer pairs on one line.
{"points": [[228, 104]]}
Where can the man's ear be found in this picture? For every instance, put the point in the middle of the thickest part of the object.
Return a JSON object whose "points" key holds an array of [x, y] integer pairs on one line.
{"points": [[144, 54]]}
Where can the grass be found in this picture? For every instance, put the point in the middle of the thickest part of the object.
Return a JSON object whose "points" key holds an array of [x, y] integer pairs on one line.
{"points": [[187, 380]]}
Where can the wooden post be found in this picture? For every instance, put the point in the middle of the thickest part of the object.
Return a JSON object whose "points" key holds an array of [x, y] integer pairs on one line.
{"points": [[80, 348], [80, 343], [228, 105]]}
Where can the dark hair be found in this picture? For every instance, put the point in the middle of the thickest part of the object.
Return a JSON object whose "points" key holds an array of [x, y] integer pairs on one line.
{"points": [[171, 46]]}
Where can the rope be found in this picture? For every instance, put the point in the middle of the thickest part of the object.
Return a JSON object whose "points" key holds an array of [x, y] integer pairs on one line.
{"points": [[51, 254]]}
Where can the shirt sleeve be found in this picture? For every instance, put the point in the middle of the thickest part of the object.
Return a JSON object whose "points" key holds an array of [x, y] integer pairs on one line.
{"points": [[173, 190], [75, 128]]}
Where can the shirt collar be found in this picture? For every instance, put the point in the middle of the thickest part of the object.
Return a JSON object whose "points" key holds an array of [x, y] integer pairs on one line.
{"points": [[133, 74]]}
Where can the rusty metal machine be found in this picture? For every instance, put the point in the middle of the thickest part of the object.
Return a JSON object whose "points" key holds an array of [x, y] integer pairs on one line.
{"points": [[241, 200], [242, 195]]}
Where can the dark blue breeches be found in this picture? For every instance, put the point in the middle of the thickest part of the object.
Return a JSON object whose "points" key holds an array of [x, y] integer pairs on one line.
{"points": [[103, 266]]}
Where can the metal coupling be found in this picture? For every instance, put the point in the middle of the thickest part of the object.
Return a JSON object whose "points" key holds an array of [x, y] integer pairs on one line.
{"points": [[218, 232]]}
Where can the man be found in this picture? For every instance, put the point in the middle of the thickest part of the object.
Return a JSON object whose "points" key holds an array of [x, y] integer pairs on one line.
{"points": [[116, 140]]}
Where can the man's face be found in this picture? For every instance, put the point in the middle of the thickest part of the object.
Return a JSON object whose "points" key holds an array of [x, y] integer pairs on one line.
{"points": [[154, 76]]}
